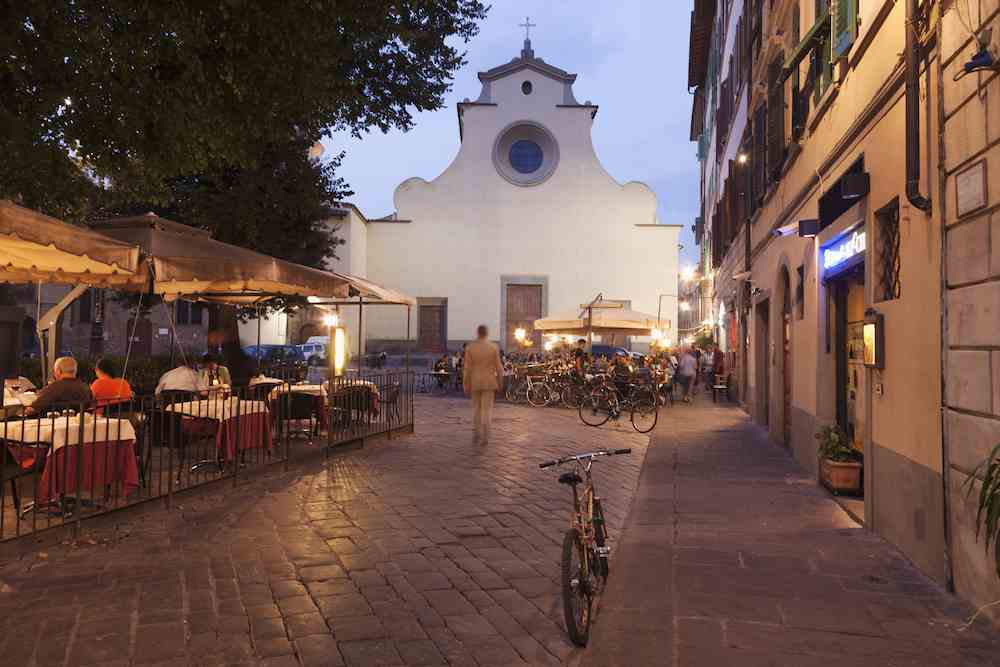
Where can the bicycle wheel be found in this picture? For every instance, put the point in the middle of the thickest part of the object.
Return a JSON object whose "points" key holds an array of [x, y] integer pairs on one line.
{"points": [[577, 596], [644, 414], [595, 410], [538, 395], [572, 396]]}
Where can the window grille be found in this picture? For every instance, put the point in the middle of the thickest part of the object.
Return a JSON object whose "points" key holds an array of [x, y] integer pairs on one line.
{"points": [[887, 252]]}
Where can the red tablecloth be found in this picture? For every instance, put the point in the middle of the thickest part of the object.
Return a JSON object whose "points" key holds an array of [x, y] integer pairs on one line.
{"points": [[101, 464], [252, 431]]}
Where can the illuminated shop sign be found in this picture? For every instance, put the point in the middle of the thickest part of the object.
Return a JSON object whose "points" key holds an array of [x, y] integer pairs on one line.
{"points": [[844, 250]]}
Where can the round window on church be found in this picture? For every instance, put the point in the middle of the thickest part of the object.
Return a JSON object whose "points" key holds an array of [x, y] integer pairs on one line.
{"points": [[525, 153], [526, 156], [526, 87]]}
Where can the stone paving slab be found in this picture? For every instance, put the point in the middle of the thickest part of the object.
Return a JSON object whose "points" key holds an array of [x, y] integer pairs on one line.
{"points": [[732, 555], [420, 550]]}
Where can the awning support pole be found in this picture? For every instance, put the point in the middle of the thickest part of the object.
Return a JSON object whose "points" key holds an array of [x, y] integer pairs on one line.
{"points": [[361, 340], [46, 326], [258, 340], [407, 338]]}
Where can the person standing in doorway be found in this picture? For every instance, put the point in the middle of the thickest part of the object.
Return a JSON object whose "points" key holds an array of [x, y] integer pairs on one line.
{"points": [[481, 378]]}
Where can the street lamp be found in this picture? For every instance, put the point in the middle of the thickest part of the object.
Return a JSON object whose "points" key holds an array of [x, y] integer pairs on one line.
{"points": [[684, 306], [520, 334], [687, 273]]}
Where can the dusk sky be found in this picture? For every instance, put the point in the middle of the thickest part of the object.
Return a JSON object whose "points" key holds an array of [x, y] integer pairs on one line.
{"points": [[631, 60]]}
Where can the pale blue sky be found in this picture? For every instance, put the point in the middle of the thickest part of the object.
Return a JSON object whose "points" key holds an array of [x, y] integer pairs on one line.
{"points": [[631, 60]]}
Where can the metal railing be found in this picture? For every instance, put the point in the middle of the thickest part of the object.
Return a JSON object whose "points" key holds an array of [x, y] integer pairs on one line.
{"points": [[72, 462]]}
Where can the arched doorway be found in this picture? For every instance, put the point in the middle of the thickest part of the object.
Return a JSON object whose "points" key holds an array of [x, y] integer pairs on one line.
{"points": [[786, 357]]}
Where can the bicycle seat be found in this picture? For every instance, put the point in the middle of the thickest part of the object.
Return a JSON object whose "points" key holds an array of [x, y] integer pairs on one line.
{"points": [[570, 478]]}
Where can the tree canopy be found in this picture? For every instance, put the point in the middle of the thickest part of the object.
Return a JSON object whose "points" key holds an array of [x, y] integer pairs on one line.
{"points": [[136, 93]]}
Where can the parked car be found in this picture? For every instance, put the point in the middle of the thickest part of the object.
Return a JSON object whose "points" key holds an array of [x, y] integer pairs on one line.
{"points": [[314, 353], [276, 355], [597, 349]]}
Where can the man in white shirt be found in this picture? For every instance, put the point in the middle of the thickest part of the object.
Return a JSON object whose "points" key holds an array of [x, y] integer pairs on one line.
{"points": [[182, 378]]}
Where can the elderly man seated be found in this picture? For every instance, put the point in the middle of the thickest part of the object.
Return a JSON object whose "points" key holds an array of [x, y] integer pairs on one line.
{"points": [[65, 391], [182, 378]]}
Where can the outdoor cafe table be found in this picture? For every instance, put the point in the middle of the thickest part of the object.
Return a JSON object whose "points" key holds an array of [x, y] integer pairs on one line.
{"points": [[241, 424], [107, 456]]}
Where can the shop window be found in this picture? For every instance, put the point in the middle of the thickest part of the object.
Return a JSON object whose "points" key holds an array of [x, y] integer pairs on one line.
{"points": [[887, 286], [182, 312], [86, 307], [800, 294]]}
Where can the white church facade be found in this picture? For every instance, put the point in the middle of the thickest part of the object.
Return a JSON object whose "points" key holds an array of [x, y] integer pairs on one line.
{"points": [[524, 223]]}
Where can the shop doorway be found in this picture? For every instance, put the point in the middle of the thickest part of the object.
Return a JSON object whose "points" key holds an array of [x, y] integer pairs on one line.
{"points": [[786, 359], [763, 350], [849, 313]]}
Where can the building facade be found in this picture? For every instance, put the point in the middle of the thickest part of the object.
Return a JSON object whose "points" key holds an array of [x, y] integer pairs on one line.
{"points": [[835, 148], [524, 223]]}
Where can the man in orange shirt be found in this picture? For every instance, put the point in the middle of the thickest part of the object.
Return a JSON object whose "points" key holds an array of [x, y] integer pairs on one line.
{"points": [[108, 388]]}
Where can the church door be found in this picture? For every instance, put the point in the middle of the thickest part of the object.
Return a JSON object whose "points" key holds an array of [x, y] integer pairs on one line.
{"points": [[430, 323], [524, 306]]}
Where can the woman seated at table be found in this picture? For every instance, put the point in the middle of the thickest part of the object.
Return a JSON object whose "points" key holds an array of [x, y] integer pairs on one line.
{"points": [[109, 387], [213, 373]]}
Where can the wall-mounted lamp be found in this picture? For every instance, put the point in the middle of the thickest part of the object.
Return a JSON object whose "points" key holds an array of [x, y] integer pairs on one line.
{"points": [[742, 158], [808, 228], [874, 339]]}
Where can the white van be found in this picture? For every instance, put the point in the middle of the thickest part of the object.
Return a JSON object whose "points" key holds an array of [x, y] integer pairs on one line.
{"points": [[314, 352]]}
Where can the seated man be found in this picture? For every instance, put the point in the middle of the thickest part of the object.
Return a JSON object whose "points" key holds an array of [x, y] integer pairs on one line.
{"points": [[109, 387], [65, 391], [182, 378], [213, 373]]}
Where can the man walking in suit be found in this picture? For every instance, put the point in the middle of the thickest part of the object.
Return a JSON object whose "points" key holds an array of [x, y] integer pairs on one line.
{"points": [[481, 379]]}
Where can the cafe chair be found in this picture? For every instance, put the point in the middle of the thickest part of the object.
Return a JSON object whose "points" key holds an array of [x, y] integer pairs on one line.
{"points": [[13, 471], [262, 390], [295, 408]]}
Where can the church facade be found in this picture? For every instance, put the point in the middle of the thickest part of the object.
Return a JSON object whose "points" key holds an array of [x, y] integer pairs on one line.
{"points": [[524, 223]]}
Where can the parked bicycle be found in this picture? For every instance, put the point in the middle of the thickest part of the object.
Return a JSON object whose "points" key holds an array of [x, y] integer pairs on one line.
{"points": [[585, 547], [606, 402]]}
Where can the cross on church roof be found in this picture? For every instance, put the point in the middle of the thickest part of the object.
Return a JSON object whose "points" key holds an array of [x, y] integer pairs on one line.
{"points": [[527, 25]]}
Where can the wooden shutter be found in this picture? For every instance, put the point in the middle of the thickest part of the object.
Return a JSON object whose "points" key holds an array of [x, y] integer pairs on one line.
{"points": [[845, 26], [760, 152], [775, 118]]}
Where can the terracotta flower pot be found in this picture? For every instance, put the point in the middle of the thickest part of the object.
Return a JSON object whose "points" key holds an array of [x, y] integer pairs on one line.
{"points": [[841, 476]]}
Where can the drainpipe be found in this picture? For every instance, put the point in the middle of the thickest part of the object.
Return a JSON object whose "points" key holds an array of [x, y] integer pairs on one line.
{"points": [[913, 111], [949, 566]]}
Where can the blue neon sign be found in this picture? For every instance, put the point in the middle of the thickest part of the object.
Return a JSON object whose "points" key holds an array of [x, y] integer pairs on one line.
{"points": [[844, 250]]}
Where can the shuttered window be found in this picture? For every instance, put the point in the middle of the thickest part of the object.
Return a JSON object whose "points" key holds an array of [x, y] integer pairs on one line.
{"points": [[775, 118], [760, 153], [845, 26], [821, 60]]}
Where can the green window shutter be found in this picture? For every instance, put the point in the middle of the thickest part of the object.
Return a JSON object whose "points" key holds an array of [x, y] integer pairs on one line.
{"points": [[845, 26]]}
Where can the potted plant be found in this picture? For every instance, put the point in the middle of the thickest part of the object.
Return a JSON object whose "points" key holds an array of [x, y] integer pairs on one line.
{"points": [[839, 463], [988, 502]]}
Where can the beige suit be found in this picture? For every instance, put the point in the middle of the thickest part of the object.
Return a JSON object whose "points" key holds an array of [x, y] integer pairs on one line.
{"points": [[482, 377]]}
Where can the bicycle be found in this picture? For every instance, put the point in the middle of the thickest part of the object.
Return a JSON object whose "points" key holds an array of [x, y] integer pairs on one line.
{"points": [[585, 546], [606, 402]]}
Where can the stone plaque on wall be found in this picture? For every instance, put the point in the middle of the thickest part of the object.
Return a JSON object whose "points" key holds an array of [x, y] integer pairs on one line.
{"points": [[970, 189]]}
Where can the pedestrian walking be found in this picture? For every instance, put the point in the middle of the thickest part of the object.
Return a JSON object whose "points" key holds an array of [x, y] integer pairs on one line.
{"points": [[687, 370], [482, 377]]}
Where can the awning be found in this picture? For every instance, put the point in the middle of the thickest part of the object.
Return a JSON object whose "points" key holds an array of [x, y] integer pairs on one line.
{"points": [[376, 293], [188, 263], [35, 247], [808, 43], [606, 321]]}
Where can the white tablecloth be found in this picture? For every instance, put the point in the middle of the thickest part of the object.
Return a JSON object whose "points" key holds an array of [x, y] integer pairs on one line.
{"points": [[219, 409], [61, 431], [262, 380], [311, 389], [352, 382]]}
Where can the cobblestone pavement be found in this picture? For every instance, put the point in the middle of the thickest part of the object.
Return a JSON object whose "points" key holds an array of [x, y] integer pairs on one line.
{"points": [[733, 556], [422, 550]]}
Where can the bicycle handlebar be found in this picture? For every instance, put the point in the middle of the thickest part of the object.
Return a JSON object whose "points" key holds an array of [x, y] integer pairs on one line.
{"points": [[589, 455]]}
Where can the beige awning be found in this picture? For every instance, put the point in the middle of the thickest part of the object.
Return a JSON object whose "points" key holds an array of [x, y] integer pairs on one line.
{"points": [[35, 247], [188, 263], [369, 290], [606, 321]]}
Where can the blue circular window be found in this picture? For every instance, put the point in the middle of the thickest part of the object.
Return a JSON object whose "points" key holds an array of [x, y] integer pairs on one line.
{"points": [[526, 156]]}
